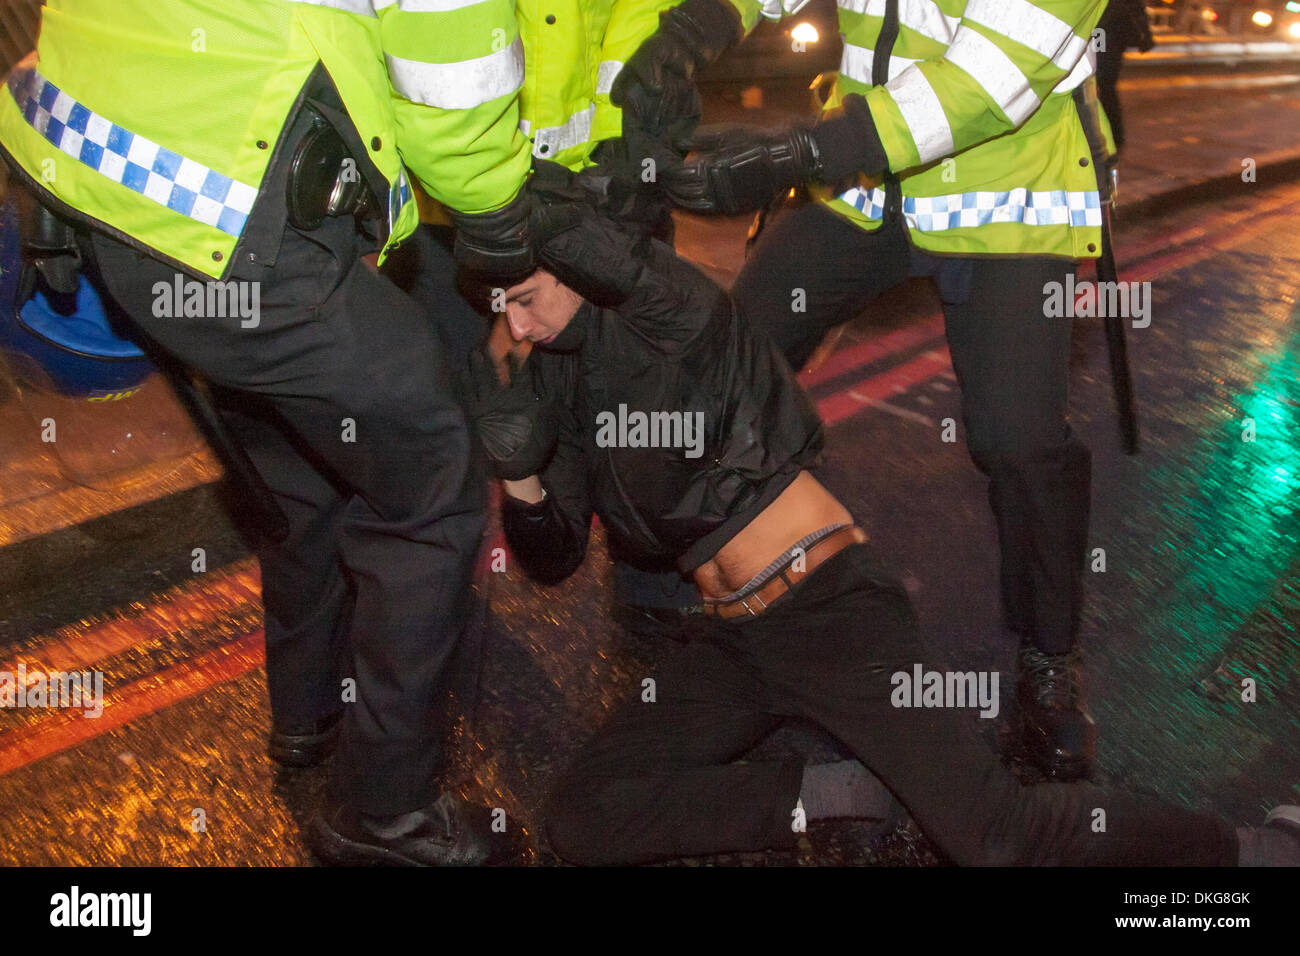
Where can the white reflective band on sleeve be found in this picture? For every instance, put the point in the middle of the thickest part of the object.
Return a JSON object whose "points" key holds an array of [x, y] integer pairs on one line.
{"points": [[994, 70], [459, 86], [1031, 26], [431, 6], [576, 130], [775, 9], [922, 112], [525, 127], [923, 16], [606, 74], [1086, 66], [870, 8], [927, 19], [362, 8], [382, 4], [856, 63]]}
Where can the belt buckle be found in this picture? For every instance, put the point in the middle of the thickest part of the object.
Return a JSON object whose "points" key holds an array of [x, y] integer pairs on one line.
{"points": [[743, 602]]}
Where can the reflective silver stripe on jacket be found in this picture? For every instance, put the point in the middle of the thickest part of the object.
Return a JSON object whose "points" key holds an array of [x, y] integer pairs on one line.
{"points": [[856, 61], [921, 16], [462, 85], [606, 74], [775, 9], [923, 113], [362, 8], [550, 140]]}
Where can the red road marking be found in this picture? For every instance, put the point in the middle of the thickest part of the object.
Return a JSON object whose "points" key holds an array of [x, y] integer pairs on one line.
{"points": [[1202, 232], [68, 728], [189, 606], [1215, 242], [64, 729]]}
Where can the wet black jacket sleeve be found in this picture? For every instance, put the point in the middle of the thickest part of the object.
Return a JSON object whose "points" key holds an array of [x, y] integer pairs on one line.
{"points": [[549, 538]]}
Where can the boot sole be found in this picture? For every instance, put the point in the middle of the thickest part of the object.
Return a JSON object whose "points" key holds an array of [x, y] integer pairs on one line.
{"points": [[336, 849]]}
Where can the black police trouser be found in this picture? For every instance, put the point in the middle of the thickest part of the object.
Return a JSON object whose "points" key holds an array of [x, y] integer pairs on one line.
{"points": [[1012, 364], [657, 780], [352, 418]]}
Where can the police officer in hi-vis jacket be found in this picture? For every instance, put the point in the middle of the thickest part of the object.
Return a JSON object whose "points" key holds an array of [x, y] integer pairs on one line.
{"points": [[953, 146], [274, 142]]}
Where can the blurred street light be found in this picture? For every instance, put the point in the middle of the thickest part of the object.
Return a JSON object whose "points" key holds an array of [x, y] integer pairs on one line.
{"points": [[805, 33]]}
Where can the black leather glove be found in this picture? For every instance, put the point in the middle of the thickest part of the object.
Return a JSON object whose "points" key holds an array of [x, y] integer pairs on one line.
{"points": [[496, 243], [514, 424], [656, 87], [503, 243], [619, 189], [740, 169]]}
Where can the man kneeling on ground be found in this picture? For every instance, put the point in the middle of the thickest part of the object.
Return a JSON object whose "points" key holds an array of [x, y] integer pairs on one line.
{"points": [[799, 617]]}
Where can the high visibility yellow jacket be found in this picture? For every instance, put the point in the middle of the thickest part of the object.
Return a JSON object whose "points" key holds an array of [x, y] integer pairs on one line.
{"points": [[158, 118], [573, 50], [974, 110]]}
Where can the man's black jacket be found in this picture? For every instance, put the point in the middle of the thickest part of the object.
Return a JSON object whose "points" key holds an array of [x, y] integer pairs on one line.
{"points": [[668, 340]]}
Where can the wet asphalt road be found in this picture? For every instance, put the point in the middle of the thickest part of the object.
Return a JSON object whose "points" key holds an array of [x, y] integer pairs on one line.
{"points": [[1201, 589]]}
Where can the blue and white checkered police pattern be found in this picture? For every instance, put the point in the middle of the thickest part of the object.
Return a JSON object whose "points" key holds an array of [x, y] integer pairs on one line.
{"points": [[131, 160], [399, 194], [1055, 207]]}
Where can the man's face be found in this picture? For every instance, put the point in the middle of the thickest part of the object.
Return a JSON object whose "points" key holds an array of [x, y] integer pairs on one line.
{"points": [[540, 307]]}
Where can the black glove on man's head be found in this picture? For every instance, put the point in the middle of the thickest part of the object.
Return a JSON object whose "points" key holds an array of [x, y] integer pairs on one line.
{"points": [[503, 244], [581, 243]]}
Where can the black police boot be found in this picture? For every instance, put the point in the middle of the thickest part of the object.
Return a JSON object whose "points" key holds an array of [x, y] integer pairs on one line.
{"points": [[448, 832], [1060, 737], [304, 745]]}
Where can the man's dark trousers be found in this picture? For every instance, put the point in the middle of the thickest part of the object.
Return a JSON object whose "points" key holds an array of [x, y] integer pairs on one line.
{"points": [[352, 418], [658, 780], [1012, 364]]}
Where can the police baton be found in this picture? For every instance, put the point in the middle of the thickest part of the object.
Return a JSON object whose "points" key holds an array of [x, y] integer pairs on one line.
{"points": [[1121, 377]]}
